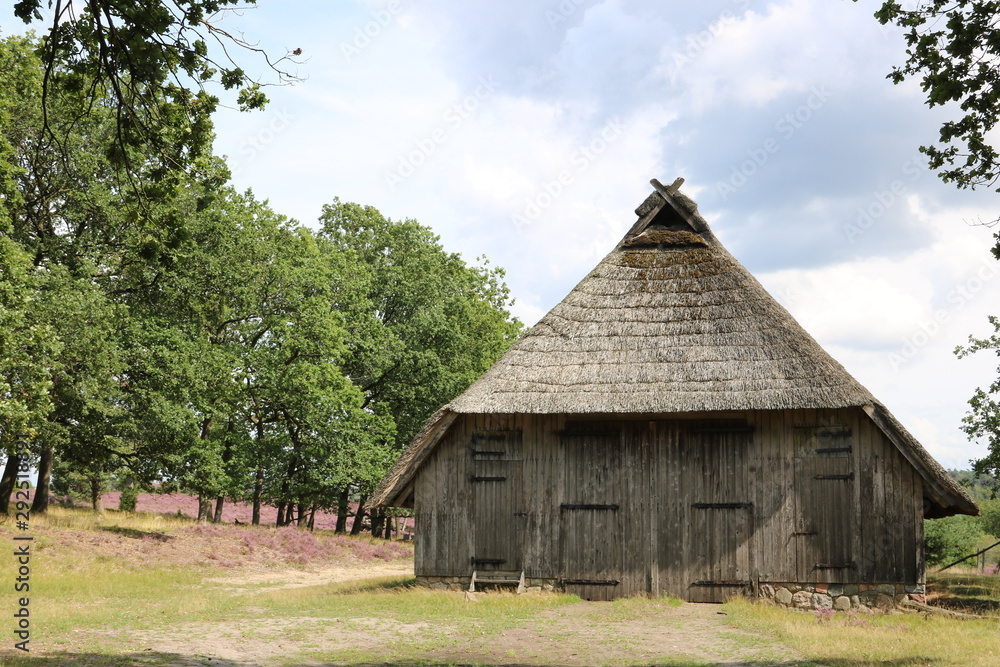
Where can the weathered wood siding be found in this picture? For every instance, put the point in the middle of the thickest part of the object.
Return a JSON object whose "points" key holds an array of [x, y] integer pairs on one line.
{"points": [[694, 507]]}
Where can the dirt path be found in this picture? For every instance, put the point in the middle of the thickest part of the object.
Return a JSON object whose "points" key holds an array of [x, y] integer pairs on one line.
{"points": [[584, 633], [581, 634], [574, 635]]}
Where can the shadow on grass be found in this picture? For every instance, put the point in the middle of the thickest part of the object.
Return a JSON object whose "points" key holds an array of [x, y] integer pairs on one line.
{"points": [[968, 594], [372, 585], [138, 534], [967, 604], [898, 662], [177, 659]]}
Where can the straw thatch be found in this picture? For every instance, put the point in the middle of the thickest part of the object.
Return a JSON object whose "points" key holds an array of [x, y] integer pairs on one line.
{"points": [[668, 322]]}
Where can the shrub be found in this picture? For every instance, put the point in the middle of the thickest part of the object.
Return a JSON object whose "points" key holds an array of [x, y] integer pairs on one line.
{"points": [[946, 540]]}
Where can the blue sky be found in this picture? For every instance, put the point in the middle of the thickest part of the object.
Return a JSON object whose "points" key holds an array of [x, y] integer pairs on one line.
{"points": [[528, 132]]}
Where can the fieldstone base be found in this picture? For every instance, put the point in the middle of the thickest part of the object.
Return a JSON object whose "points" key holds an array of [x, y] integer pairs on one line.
{"points": [[841, 597]]}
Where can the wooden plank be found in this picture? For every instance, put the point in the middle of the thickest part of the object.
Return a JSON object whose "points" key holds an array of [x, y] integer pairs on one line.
{"points": [[878, 509], [591, 541], [498, 498], [784, 522], [719, 531]]}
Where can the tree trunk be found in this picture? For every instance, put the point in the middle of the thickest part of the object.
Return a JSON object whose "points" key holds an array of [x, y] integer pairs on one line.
{"points": [[96, 495], [388, 528], [359, 516], [342, 504], [258, 490], [40, 504], [301, 523], [286, 518], [312, 518], [204, 508], [227, 457], [8, 480], [378, 521], [280, 521], [127, 501]]}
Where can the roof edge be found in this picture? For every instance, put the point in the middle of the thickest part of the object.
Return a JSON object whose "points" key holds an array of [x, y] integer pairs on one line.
{"points": [[390, 490]]}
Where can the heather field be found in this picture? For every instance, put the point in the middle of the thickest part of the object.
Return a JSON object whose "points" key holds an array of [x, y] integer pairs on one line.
{"points": [[185, 505], [158, 589]]}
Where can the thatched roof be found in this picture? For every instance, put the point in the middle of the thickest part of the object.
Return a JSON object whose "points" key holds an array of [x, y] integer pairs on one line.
{"points": [[668, 322]]}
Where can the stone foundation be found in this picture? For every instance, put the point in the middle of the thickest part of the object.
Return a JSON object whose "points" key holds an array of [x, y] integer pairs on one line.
{"points": [[841, 597]]}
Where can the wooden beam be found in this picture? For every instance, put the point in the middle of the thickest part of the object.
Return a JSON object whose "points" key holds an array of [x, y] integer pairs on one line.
{"points": [[668, 193]]}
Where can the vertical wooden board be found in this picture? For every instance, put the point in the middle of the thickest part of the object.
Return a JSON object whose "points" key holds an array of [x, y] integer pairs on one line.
{"points": [[534, 484], [893, 508], [879, 515], [867, 466], [900, 530], [426, 506], [635, 497], [719, 529], [784, 475], [549, 565], [825, 490], [591, 538], [773, 549], [918, 522], [496, 459], [853, 417], [908, 490]]}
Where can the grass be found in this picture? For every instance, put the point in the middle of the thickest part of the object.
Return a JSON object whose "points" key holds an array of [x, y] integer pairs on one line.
{"points": [[855, 639], [99, 585], [631, 609], [104, 588], [965, 591]]}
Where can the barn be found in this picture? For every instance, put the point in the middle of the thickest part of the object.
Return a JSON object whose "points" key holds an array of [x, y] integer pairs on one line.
{"points": [[669, 428]]}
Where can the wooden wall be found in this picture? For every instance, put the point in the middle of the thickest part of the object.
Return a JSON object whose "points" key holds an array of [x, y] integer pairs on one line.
{"points": [[693, 507]]}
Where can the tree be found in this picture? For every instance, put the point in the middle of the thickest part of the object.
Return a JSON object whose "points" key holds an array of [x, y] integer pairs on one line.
{"points": [[66, 215], [151, 58], [953, 46], [428, 325], [983, 418], [425, 326]]}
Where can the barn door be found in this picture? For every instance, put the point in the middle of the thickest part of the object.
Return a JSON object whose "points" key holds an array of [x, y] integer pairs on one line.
{"points": [[824, 485], [721, 514], [590, 515], [499, 516]]}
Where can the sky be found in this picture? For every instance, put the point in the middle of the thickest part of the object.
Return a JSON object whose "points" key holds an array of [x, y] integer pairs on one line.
{"points": [[528, 130]]}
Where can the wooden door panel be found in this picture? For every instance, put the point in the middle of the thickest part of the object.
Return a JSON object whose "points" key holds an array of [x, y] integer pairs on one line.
{"points": [[718, 562], [590, 518], [498, 497]]}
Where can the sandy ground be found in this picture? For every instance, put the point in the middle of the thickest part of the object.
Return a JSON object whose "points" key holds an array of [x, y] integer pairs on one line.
{"points": [[570, 635], [314, 577]]}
